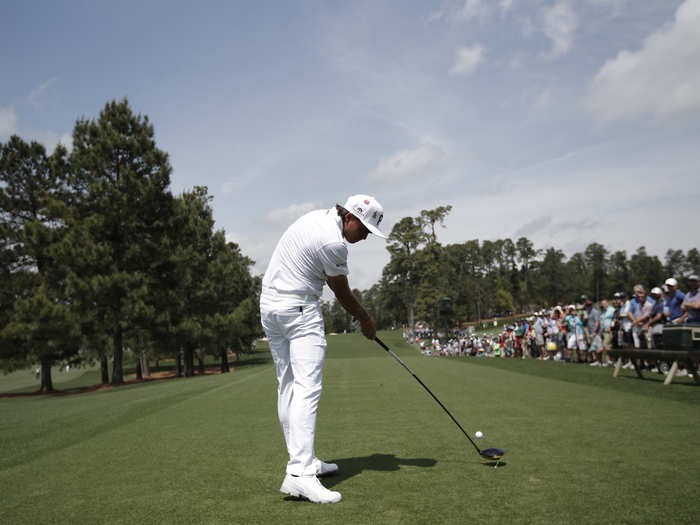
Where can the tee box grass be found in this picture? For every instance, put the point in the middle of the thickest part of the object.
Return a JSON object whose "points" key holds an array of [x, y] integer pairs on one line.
{"points": [[581, 447]]}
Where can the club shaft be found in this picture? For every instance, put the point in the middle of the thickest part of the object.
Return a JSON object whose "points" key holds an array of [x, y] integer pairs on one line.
{"points": [[427, 390]]}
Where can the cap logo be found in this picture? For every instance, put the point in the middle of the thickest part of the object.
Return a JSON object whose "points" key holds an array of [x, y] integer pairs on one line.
{"points": [[367, 202], [380, 218]]}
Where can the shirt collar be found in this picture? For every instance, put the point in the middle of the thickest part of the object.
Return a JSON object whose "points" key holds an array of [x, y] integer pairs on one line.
{"points": [[338, 221]]}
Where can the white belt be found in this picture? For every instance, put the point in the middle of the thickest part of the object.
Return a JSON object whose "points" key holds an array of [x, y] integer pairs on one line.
{"points": [[274, 292]]}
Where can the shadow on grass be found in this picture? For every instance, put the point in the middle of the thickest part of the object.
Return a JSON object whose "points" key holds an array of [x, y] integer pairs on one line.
{"points": [[209, 366], [349, 467], [655, 377], [164, 371], [494, 464]]}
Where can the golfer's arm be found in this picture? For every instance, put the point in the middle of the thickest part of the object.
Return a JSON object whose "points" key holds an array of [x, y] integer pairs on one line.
{"points": [[341, 288]]}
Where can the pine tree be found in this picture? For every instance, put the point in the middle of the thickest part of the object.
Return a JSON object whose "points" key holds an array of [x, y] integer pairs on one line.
{"points": [[405, 239], [38, 321], [120, 181], [231, 318], [182, 297]]}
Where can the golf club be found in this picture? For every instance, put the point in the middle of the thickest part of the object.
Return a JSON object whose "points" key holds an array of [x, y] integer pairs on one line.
{"points": [[488, 453]]}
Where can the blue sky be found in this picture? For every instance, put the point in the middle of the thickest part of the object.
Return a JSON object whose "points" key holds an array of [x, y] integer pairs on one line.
{"points": [[565, 121]]}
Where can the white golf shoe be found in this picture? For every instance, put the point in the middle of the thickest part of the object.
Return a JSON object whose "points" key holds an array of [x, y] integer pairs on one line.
{"points": [[325, 469], [308, 487]]}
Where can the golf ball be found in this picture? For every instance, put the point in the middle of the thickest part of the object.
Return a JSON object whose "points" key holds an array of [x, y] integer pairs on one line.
{"points": [[479, 434]]}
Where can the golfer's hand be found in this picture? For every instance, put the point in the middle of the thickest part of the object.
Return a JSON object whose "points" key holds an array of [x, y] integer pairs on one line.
{"points": [[369, 329]]}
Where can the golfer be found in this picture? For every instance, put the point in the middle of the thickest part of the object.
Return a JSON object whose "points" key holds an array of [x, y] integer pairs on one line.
{"points": [[312, 251]]}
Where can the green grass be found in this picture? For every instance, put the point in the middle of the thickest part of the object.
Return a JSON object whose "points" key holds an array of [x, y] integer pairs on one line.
{"points": [[581, 447]]}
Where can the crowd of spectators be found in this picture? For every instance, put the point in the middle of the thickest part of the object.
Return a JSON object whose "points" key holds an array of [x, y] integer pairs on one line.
{"points": [[578, 333]]}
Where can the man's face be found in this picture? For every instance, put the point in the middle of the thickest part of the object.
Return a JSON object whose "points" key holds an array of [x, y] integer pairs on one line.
{"points": [[354, 230], [694, 284], [641, 296], [604, 303]]}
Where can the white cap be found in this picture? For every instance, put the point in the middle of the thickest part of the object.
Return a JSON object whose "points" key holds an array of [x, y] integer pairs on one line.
{"points": [[671, 282], [368, 210], [694, 277], [656, 290]]}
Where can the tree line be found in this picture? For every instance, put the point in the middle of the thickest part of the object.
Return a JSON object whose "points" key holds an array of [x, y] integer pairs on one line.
{"points": [[98, 257], [485, 278]]}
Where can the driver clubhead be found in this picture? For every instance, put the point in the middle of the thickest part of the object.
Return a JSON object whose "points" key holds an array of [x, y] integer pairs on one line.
{"points": [[492, 453]]}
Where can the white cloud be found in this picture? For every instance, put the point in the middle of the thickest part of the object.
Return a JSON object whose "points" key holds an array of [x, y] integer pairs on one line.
{"points": [[405, 164], [234, 237], [434, 16], [50, 140], [527, 26], [8, 127], [615, 6], [35, 94], [661, 79], [473, 9], [468, 10], [291, 213], [505, 6], [559, 24], [569, 215], [8, 122], [543, 99], [468, 58], [67, 140], [258, 249]]}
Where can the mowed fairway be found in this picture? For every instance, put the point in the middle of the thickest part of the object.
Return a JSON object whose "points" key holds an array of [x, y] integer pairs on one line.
{"points": [[581, 447]]}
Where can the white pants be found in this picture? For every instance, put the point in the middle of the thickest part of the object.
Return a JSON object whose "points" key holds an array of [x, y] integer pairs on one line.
{"points": [[294, 329], [635, 336]]}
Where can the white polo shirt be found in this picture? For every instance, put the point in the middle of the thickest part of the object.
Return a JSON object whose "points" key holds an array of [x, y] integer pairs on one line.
{"points": [[311, 250]]}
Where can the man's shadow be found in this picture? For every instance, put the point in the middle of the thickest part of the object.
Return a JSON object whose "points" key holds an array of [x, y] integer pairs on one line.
{"points": [[349, 467]]}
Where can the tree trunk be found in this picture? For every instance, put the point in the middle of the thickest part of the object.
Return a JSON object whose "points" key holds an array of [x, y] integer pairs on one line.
{"points": [[178, 364], [189, 361], [46, 382], [200, 358], [139, 375], [118, 362], [144, 366], [224, 362], [104, 368]]}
